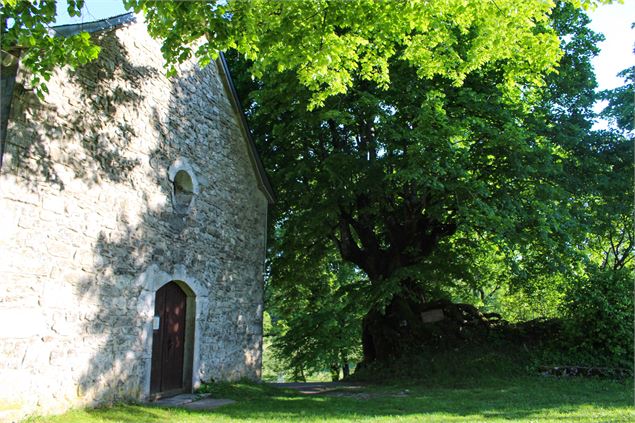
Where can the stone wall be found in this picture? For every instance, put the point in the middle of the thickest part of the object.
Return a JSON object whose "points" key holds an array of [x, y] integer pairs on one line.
{"points": [[89, 230]]}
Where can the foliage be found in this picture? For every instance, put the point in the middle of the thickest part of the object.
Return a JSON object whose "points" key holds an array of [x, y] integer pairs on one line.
{"points": [[600, 316], [26, 32], [613, 238], [272, 367], [316, 323], [598, 306], [325, 45], [603, 159], [361, 169], [601, 224], [540, 299], [620, 102], [328, 46]]}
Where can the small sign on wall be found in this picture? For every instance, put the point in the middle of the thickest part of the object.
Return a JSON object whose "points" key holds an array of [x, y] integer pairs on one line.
{"points": [[155, 322]]}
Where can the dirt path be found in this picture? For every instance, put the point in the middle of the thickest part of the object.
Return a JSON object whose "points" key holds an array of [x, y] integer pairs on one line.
{"points": [[310, 388], [357, 391]]}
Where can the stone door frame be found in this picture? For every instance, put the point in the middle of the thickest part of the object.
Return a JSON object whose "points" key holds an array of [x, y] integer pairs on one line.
{"points": [[196, 296]]}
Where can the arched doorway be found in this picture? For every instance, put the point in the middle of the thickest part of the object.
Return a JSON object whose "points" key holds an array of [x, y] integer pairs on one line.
{"points": [[169, 341], [153, 279]]}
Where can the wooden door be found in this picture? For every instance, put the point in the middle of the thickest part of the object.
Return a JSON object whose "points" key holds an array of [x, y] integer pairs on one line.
{"points": [[168, 340]]}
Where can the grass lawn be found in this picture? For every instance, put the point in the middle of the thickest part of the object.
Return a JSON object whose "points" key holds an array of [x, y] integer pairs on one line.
{"points": [[529, 399]]}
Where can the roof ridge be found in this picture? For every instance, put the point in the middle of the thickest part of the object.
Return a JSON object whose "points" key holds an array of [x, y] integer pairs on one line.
{"points": [[95, 26]]}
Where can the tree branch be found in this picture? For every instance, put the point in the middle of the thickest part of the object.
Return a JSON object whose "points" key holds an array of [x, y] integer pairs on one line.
{"points": [[347, 246]]}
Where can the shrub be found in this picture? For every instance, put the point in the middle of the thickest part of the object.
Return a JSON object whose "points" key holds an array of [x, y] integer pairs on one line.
{"points": [[599, 317]]}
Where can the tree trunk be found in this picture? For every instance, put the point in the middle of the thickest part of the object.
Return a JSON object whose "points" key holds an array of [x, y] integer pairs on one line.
{"points": [[298, 375], [335, 372], [388, 334], [346, 370], [410, 236]]}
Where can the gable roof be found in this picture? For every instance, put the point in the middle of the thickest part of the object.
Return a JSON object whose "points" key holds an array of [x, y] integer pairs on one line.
{"points": [[129, 18], [263, 180]]}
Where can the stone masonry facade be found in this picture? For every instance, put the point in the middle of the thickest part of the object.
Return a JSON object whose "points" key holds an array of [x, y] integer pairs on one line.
{"points": [[92, 227]]}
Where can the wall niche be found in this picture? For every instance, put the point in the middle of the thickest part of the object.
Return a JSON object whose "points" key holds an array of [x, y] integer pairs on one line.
{"points": [[185, 187]]}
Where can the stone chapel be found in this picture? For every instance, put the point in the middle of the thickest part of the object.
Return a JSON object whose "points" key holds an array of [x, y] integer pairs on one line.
{"points": [[133, 210]]}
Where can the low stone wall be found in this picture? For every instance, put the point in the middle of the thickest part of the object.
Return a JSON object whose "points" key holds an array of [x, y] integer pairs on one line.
{"points": [[86, 205]]}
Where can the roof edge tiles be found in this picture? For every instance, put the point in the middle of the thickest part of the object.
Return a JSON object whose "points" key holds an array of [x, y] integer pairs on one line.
{"points": [[95, 26]]}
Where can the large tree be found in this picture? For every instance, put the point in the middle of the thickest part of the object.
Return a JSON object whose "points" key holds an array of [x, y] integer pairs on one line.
{"points": [[406, 180]]}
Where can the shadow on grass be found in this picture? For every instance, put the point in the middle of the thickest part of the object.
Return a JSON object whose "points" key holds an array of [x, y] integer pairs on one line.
{"points": [[490, 398], [525, 398], [126, 413]]}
